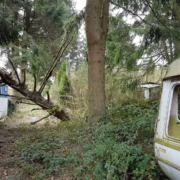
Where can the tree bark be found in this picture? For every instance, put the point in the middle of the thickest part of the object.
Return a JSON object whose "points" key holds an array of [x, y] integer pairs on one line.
{"points": [[97, 17], [35, 97]]}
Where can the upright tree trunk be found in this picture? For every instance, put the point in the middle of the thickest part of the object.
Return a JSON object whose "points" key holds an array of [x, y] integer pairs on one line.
{"points": [[97, 17], [176, 49]]}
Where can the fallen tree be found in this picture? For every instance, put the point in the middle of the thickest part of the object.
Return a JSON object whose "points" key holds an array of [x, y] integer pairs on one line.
{"points": [[34, 96], [13, 80]]}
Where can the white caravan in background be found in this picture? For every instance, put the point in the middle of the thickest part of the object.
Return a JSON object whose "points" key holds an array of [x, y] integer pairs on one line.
{"points": [[3, 101]]}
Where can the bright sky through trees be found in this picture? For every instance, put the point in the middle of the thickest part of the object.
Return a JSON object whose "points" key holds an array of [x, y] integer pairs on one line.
{"points": [[80, 4]]}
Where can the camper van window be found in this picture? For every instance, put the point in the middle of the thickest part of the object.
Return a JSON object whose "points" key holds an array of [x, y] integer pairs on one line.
{"points": [[174, 119], [5, 88]]}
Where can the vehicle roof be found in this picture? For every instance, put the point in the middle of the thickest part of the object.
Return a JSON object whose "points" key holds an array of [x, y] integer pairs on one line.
{"points": [[173, 70]]}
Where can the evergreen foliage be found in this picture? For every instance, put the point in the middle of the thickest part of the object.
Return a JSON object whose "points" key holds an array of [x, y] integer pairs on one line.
{"points": [[119, 45], [9, 29], [120, 145], [30, 30], [63, 81], [158, 24]]}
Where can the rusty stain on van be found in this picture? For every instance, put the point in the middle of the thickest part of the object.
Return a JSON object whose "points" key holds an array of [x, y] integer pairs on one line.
{"points": [[162, 150]]}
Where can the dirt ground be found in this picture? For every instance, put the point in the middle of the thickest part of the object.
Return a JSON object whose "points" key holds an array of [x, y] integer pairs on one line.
{"points": [[10, 132], [9, 170], [23, 116], [7, 138]]}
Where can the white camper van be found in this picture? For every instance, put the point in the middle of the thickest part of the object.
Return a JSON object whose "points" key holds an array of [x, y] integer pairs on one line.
{"points": [[3, 101], [167, 130]]}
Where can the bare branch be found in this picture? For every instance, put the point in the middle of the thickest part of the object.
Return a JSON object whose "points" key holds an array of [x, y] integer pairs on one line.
{"points": [[14, 70], [24, 79], [33, 123], [21, 102], [36, 109], [68, 38], [35, 82], [133, 13], [48, 96], [58, 57]]}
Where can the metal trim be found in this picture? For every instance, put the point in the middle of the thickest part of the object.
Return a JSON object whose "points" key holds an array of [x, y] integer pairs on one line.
{"points": [[168, 163], [166, 143]]}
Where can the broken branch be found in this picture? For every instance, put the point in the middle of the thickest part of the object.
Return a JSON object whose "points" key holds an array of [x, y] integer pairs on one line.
{"points": [[35, 82], [14, 70], [33, 123], [36, 109], [48, 96], [21, 102]]}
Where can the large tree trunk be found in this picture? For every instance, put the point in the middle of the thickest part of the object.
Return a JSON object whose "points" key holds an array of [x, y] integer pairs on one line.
{"points": [[97, 16], [33, 96]]}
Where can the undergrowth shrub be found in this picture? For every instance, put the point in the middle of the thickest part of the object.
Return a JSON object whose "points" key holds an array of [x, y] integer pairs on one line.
{"points": [[79, 84], [118, 150], [42, 154], [122, 87], [118, 147]]}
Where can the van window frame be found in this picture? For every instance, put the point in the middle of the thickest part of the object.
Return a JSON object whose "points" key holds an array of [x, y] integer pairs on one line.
{"points": [[171, 94]]}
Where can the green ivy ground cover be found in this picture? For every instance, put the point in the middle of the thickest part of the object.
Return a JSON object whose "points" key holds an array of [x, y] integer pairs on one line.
{"points": [[118, 147]]}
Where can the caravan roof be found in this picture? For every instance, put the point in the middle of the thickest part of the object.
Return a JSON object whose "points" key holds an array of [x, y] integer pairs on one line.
{"points": [[174, 69]]}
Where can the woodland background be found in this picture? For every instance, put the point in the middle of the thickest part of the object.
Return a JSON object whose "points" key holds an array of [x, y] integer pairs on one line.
{"points": [[92, 85]]}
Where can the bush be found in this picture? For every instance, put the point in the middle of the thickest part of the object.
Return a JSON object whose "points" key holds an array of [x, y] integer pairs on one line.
{"points": [[118, 147]]}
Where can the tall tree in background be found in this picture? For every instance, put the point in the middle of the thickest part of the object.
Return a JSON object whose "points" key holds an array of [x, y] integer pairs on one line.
{"points": [[157, 22], [38, 28], [97, 17], [163, 34]]}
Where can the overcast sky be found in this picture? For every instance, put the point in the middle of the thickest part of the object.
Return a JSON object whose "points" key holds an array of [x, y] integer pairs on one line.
{"points": [[80, 4]]}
